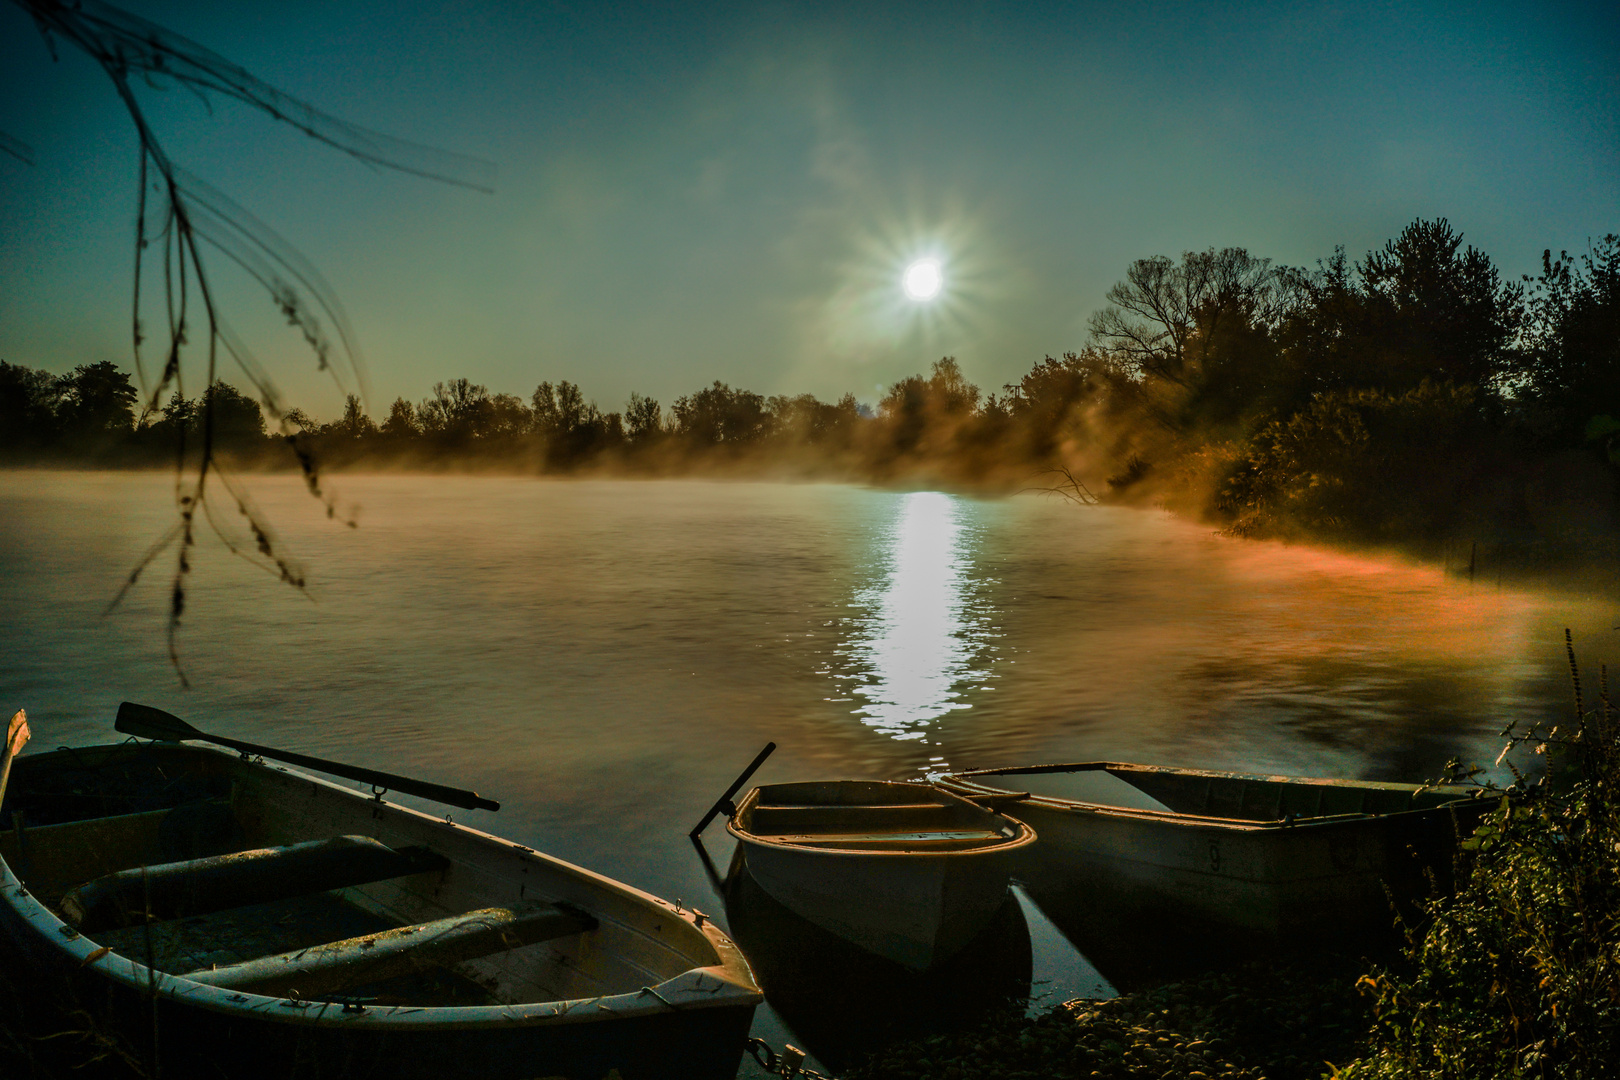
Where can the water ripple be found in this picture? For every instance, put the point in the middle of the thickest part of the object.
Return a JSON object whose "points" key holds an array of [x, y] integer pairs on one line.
{"points": [[922, 635]]}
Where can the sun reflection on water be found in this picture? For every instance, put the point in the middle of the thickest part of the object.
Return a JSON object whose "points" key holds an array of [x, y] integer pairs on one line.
{"points": [[922, 636]]}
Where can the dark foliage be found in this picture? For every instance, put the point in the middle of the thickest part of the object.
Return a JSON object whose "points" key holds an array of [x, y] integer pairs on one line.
{"points": [[1571, 377], [1516, 975]]}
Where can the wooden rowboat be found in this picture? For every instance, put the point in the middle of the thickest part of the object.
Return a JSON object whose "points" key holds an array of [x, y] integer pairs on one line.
{"points": [[1278, 856], [241, 919], [903, 870]]}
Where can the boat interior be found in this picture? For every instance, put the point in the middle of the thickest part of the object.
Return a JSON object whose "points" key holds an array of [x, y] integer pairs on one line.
{"points": [[1241, 796], [196, 863], [862, 815]]}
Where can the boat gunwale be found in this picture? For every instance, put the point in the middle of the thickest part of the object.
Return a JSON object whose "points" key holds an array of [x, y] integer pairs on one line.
{"points": [[735, 986], [977, 789], [1023, 832]]}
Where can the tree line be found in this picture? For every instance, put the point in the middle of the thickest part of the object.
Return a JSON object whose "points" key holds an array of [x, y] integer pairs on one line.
{"points": [[1415, 395]]}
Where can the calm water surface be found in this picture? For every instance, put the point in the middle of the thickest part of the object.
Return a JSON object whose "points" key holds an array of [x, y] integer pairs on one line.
{"points": [[604, 656]]}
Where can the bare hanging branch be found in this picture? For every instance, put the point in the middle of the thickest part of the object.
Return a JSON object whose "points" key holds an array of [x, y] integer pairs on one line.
{"points": [[120, 41], [1066, 483], [10, 144], [180, 213]]}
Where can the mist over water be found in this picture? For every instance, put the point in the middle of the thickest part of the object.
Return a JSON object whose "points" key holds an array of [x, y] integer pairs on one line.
{"points": [[603, 657], [603, 644]]}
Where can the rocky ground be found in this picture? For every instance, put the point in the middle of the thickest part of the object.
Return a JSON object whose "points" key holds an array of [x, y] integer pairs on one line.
{"points": [[1256, 1022]]}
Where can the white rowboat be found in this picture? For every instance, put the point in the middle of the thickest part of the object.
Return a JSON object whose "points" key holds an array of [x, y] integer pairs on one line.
{"points": [[906, 871]]}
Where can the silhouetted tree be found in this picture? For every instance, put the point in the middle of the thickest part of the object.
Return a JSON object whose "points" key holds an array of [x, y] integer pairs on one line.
{"points": [[721, 416], [238, 422], [354, 423], [27, 408], [643, 419], [456, 413], [1572, 377], [572, 427], [573, 413], [180, 415], [925, 415], [95, 403], [1447, 313], [1166, 316], [807, 421], [1053, 398], [506, 418], [401, 423], [1418, 309]]}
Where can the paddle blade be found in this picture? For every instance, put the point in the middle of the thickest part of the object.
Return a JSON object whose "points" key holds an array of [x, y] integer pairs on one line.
{"points": [[145, 722], [17, 733]]}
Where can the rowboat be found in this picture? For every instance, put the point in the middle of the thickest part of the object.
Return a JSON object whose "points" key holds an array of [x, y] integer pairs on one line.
{"points": [[234, 918], [903, 870], [1275, 856]]}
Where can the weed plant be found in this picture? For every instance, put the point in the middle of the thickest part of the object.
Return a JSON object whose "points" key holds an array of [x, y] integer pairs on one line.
{"points": [[1518, 974]]}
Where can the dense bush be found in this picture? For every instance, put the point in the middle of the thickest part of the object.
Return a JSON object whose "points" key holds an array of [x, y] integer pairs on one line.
{"points": [[1518, 975]]}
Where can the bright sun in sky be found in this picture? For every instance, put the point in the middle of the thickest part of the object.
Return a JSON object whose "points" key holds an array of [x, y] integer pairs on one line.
{"points": [[922, 279]]}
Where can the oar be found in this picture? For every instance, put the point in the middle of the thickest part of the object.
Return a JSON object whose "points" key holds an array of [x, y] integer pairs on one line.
{"points": [[725, 800], [16, 739], [148, 723]]}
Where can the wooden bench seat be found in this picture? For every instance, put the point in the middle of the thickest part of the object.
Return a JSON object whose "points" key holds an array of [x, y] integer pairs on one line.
{"points": [[196, 886], [324, 969]]}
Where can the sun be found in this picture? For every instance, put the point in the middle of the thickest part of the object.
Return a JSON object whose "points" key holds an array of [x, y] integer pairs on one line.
{"points": [[922, 279]]}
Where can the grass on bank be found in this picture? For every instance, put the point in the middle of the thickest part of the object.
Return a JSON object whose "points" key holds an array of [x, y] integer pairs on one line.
{"points": [[1518, 975]]}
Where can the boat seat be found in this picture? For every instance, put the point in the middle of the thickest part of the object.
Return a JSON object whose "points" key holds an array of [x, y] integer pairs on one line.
{"points": [[257, 876], [324, 969], [794, 819], [55, 857]]}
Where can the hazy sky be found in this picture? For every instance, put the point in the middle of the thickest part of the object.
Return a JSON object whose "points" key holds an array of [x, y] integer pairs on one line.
{"points": [[732, 190]]}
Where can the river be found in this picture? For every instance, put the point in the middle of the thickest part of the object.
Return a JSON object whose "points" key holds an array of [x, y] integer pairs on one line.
{"points": [[603, 656]]}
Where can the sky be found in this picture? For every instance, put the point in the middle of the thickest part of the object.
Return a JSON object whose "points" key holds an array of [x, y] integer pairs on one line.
{"points": [[733, 191]]}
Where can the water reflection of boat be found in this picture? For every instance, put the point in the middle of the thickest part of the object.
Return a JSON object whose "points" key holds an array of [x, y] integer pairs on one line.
{"points": [[844, 1003], [906, 871], [1284, 857], [279, 925], [1136, 948]]}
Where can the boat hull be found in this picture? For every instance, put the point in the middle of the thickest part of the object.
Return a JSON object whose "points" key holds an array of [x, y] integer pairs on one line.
{"points": [[844, 1003], [286, 1042], [915, 912], [1271, 881]]}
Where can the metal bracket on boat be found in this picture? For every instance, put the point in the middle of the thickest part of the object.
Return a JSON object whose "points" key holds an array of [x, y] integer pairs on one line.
{"points": [[661, 998], [377, 792], [789, 1064]]}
